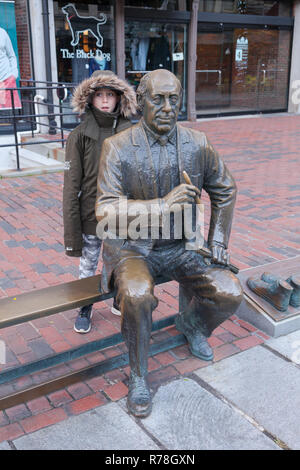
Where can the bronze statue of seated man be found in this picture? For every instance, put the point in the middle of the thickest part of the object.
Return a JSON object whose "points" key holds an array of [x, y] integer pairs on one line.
{"points": [[144, 165]]}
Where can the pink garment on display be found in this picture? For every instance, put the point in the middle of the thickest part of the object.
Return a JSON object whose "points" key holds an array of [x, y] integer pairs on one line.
{"points": [[5, 95]]}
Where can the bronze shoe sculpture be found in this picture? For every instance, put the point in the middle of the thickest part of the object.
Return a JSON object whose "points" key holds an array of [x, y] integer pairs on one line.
{"points": [[273, 289], [197, 341], [294, 282], [139, 401]]}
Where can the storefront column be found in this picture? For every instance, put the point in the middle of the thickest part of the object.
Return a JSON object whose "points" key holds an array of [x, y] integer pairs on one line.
{"points": [[37, 33], [38, 50], [294, 96], [192, 60], [120, 38]]}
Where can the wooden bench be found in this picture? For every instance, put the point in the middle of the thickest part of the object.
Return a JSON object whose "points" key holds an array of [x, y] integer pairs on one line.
{"points": [[55, 299]]}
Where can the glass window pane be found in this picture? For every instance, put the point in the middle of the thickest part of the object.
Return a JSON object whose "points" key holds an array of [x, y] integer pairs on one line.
{"points": [[260, 81], [151, 46], [84, 38], [247, 7], [181, 5], [272, 8], [241, 70]]}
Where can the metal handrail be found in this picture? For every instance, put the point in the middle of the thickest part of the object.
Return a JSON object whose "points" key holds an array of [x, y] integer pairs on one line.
{"points": [[137, 71], [27, 94], [219, 82], [265, 71]]}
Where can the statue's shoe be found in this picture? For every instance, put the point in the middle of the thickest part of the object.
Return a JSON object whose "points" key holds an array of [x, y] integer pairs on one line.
{"points": [[294, 281], [277, 292], [270, 278], [139, 401], [197, 341]]}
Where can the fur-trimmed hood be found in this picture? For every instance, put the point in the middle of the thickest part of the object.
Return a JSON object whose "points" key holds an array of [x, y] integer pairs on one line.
{"points": [[99, 79]]}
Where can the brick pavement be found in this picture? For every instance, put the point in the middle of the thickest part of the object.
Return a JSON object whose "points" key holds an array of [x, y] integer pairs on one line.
{"points": [[261, 152]]}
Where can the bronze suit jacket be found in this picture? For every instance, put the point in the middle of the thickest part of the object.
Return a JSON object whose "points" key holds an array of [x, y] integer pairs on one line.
{"points": [[126, 171]]}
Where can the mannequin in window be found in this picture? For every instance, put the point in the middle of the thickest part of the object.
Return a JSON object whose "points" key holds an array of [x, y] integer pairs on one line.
{"points": [[159, 56]]}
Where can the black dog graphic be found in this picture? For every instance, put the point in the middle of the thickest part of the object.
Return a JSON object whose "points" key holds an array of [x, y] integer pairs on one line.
{"points": [[79, 24]]}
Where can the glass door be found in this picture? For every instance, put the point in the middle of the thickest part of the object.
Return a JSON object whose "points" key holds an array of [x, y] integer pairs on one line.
{"points": [[213, 69], [272, 51], [241, 69]]}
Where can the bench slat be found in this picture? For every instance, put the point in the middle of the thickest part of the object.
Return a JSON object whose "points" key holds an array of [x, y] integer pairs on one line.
{"points": [[54, 299]]}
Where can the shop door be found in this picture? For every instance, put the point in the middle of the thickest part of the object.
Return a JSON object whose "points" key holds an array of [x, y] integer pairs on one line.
{"points": [[272, 68], [213, 69], [241, 69]]}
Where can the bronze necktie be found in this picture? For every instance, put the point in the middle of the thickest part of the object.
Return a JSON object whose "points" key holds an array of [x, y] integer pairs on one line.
{"points": [[164, 167]]}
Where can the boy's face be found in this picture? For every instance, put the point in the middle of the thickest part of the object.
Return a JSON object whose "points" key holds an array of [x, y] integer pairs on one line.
{"points": [[105, 100]]}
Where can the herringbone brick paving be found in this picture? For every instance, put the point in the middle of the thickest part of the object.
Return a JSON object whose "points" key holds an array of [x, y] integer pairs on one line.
{"points": [[261, 152]]}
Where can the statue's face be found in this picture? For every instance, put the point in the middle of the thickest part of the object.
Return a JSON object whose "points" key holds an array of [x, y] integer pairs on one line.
{"points": [[162, 102]]}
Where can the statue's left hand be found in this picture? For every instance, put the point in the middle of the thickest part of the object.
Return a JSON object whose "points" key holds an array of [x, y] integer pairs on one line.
{"points": [[220, 254]]}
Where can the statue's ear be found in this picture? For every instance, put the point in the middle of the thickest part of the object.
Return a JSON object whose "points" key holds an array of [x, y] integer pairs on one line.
{"points": [[181, 99], [140, 101]]}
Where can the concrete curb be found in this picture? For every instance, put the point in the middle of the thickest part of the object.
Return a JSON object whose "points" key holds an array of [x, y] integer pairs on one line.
{"points": [[30, 171]]}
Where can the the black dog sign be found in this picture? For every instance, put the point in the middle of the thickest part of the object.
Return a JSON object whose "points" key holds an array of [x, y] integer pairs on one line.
{"points": [[78, 24]]}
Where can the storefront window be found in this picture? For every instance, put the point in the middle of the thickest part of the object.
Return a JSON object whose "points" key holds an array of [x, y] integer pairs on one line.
{"points": [[247, 7], [171, 5], [241, 70], [151, 46], [85, 39]]}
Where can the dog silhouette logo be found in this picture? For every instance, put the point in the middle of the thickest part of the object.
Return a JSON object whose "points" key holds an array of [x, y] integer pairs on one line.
{"points": [[78, 24]]}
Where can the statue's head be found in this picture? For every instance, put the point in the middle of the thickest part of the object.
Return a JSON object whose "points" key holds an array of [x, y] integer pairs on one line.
{"points": [[159, 98]]}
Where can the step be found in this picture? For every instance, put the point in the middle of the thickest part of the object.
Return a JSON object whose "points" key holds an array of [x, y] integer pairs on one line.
{"points": [[51, 150], [29, 159]]}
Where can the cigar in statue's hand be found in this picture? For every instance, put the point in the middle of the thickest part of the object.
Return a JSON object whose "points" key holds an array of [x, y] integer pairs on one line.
{"points": [[187, 179], [205, 251]]}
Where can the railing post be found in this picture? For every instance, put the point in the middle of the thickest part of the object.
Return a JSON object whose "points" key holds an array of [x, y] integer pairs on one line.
{"points": [[51, 115], [61, 123], [62, 94], [15, 127], [32, 110]]}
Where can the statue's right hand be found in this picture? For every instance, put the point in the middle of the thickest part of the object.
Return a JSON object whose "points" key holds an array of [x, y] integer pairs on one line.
{"points": [[182, 194]]}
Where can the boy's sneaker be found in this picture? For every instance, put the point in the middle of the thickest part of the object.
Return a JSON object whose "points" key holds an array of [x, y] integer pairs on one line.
{"points": [[83, 321], [115, 308]]}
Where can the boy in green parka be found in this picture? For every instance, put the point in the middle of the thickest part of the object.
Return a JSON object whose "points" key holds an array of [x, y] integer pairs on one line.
{"points": [[108, 103]]}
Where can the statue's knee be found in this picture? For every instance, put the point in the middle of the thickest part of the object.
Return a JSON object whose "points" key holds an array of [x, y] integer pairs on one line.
{"points": [[228, 290], [231, 291], [137, 297]]}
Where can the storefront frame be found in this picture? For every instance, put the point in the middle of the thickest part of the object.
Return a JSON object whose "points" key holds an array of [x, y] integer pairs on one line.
{"points": [[193, 18]]}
